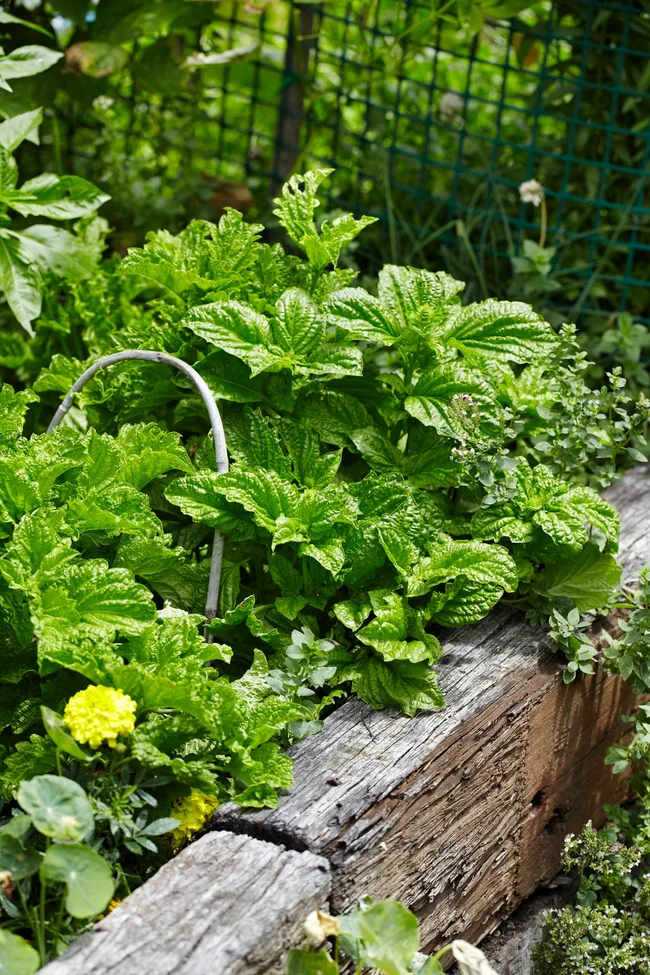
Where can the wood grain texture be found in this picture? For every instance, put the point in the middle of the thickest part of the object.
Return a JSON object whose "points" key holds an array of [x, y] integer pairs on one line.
{"points": [[462, 813], [227, 904]]}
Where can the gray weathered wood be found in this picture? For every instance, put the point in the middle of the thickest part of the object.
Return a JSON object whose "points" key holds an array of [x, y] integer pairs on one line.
{"points": [[462, 812], [227, 905]]}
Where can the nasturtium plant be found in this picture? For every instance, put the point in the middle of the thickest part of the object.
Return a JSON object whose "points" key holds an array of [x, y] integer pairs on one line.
{"points": [[382, 938]]}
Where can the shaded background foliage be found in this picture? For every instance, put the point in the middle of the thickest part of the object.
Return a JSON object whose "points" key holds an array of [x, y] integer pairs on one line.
{"points": [[433, 114]]}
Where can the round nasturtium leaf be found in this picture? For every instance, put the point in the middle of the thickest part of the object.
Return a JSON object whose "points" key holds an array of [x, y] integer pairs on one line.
{"points": [[310, 963], [87, 876], [17, 957], [58, 806], [17, 860]]}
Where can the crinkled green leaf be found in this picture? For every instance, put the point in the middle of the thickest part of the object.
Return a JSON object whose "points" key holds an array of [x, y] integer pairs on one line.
{"points": [[501, 329], [590, 579], [411, 687], [462, 603], [297, 202], [476, 561], [298, 328], [362, 315], [457, 401]]}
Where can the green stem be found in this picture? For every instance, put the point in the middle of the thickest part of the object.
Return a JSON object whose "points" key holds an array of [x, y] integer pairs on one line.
{"points": [[41, 914], [544, 227], [30, 918], [443, 951], [58, 762]]}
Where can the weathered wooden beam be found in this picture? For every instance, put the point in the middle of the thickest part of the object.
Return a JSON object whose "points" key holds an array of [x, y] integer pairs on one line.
{"points": [[462, 813], [227, 905]]}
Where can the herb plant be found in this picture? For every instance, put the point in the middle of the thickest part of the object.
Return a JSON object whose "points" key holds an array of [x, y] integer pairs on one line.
{"points": [[382, 937], [607, 931]]}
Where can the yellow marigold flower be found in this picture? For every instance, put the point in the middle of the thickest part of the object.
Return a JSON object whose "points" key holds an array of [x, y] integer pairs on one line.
{"points": [[99, 714], [192, 812], [112, 904]]}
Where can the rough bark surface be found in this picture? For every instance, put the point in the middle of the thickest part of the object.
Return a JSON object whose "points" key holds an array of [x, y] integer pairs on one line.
{"points": [[227, 904], [462, 813]]}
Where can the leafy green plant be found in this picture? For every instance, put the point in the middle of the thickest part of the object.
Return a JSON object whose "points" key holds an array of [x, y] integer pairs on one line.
{"points": [[387, 447], [389, 475], [382, 937], [28, 251], [119, 724], [607, 931]]}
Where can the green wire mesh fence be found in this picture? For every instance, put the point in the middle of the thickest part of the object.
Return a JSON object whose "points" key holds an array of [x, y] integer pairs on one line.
{"points": [[433, 128]]}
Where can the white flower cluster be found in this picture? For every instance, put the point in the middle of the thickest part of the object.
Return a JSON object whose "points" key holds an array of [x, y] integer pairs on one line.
{"points": [[531, 191]]}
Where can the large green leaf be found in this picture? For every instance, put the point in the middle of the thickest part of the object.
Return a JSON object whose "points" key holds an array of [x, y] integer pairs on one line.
{"points": [[388, 632], [15, 130], [253, 439], [147, 451], [298, 327], [109, 599], [501, 521], [59, 807], [17, 957], [457, 401], [362, 315], [383, 937], [475, 561], [590, 579], [87, 876], [25, 61], [19, 282], [501, 329], [400, 684], [57, 250], [310, 963], [463, 603], [421, 299], [238, 330], [311, 468], [57, 197]]}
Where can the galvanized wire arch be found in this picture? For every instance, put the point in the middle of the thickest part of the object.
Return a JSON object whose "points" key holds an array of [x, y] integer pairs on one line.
{"points": [[221, 452]]}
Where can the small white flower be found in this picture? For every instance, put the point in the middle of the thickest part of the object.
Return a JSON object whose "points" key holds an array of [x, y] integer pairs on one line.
{"points": [[320, 926], [102, 102], [451, 105], [531, 191], [471, 960]]}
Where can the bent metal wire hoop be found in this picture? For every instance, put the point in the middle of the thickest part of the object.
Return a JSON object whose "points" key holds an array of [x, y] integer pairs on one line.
{"points": [[221, 452]]}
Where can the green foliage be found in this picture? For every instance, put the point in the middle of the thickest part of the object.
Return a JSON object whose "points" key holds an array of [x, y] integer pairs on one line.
{"points": [[607, 931], [387, 478], [26, 253], [382, 937], [50, 839]]}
